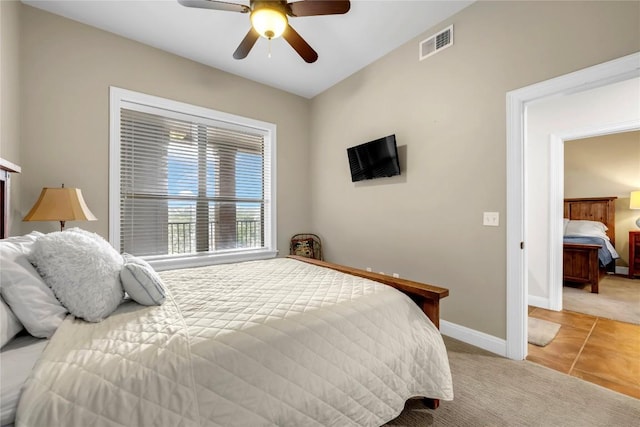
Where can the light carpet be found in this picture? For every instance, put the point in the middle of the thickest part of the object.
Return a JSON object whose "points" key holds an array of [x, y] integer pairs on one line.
{"points": [[494, 391], [540, 332], [618, 299]]}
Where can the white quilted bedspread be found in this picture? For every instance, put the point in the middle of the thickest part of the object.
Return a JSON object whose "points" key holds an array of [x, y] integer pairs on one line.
{"points": [[262, 343]]}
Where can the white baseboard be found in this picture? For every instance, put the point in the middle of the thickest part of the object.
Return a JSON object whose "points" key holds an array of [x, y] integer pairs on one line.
{"points": [[541, 302], [544, 302], [622, 270], [475, 338]]}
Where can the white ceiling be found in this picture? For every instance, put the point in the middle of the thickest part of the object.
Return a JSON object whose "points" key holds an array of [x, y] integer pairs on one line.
{"points": [[345, 43]]}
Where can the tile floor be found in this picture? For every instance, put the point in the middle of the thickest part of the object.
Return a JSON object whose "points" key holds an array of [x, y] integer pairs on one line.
{"points": [[602, 351]]}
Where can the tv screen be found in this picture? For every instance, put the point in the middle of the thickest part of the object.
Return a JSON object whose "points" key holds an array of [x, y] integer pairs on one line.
{"points": [[374, 159]]}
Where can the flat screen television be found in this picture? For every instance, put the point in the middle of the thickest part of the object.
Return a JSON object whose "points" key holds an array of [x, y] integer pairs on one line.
{"points": [[374, 159]]}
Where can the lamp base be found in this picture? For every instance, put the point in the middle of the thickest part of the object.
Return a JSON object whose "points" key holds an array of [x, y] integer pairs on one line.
{"points": [[638, 222]]}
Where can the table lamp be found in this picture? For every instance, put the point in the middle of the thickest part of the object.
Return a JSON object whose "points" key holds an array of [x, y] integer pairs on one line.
{"points": [[60, 204]]}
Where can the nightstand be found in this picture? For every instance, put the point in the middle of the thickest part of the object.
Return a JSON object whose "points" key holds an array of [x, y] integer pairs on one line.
{"points": [[634, 253]]}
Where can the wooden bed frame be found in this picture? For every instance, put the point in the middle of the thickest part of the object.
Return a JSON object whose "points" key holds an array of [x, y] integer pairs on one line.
{"points": [[580, 261]]}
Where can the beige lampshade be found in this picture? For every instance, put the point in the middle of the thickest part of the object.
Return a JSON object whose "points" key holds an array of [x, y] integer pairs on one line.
{"points": [[60, 204], [634, 202]]}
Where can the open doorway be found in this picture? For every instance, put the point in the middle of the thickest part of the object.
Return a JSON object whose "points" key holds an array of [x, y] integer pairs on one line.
{"points": [[604, 110], [598, 332], [600, 166], [535, 193], [519, 105]]}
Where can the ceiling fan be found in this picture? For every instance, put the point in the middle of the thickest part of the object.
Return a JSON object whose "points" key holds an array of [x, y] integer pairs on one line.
{"points": [[269, 20]]}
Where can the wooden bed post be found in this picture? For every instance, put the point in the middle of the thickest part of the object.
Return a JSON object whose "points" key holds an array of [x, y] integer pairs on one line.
{"points": [[580, 261]]}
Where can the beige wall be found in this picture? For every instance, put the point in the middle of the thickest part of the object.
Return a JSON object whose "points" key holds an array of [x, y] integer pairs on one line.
{"points": [[10, 101], [67, 69], [606, 166], [449, 112]]}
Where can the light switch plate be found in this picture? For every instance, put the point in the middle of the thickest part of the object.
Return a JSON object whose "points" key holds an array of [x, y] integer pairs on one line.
{"points": [[491, 219]]}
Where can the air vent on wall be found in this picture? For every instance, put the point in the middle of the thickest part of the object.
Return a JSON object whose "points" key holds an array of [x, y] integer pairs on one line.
{"points": [[436, 43]]}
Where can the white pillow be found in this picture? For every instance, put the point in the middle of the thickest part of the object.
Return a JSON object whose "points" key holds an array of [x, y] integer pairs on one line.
{"points": [[9, 323], [30, 299], [564, 225], [141, 282], [586, 228], [83, 270]]}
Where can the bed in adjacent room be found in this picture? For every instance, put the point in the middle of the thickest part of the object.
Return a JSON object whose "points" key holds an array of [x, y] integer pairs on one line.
{"points": [[287, 341], [589, 240]]}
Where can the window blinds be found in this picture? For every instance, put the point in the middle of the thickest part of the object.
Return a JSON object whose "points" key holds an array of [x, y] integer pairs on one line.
{"points": [[189, 184]]}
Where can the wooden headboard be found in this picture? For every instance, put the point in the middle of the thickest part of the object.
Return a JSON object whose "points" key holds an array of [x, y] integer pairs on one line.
{"points": [[601, 209], [6, 169]]}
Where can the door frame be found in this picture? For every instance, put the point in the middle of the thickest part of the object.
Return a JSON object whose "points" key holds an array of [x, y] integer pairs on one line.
{"points": [[517, 101]]}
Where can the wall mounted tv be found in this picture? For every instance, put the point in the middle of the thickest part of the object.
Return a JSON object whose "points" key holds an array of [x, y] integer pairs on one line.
{"points": [[374, 159]]}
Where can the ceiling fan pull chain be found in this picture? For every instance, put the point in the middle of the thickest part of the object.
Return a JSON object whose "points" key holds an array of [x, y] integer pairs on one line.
{"points": [[269, 55]]}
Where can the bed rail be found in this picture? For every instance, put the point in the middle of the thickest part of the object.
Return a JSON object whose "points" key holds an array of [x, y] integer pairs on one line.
{"points": [[427, 297]]}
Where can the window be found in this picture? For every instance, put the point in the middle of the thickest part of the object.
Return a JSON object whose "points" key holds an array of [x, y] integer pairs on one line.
{"points": [[189, 185]]}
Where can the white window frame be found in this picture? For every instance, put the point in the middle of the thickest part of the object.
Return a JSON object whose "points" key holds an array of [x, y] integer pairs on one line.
{"points": [[119, 98]]}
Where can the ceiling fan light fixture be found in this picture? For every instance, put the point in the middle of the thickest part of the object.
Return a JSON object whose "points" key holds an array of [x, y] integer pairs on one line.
{"points": [[269, 19], [269, 23]]}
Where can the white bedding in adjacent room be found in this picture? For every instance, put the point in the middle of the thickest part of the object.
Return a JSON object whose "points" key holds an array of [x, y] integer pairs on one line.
{"points": [[277, 342], [586, 228]]}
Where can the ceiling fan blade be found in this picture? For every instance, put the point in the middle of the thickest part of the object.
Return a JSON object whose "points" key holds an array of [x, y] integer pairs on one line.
{"points": [[246, 44], [320, 7], [216, 5], [299, 45]]}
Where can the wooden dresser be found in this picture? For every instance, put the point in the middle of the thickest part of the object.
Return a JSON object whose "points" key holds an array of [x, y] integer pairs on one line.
{"points": [[634, 253]]}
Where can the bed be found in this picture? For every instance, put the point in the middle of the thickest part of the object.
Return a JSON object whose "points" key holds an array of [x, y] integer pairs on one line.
{"points": [[588, 256], [288, 341]]}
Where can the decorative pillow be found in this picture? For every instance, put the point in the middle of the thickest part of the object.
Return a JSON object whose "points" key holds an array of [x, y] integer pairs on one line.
{"points": [[90, 234], [141, 282], [303, 247], [30, 299], [586, 228], [9, 323], [83, 270]]}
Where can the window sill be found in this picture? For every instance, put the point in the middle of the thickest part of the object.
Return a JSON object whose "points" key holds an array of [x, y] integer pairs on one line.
{"points": [[210, 259]]}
